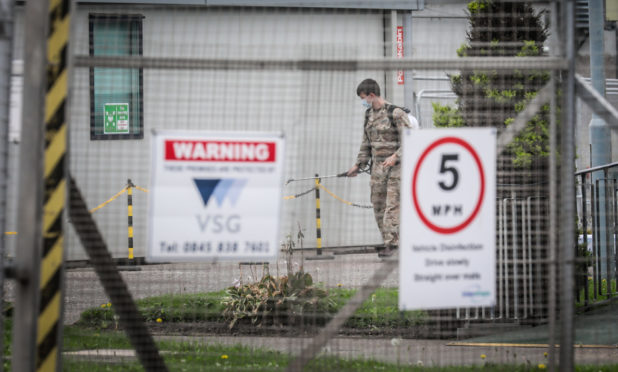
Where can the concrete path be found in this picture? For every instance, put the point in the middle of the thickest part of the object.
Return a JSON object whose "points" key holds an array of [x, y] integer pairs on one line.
{"points": [[595, 327]]}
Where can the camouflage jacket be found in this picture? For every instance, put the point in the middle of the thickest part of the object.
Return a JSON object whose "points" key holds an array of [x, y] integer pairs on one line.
{"points": [[380, 136]]}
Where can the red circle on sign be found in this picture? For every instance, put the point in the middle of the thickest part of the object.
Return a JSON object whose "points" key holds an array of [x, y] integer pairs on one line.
{"points": [[461, 226]]}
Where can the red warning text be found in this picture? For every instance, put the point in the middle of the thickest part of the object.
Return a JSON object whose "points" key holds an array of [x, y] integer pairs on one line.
{"points": [[220, 151]]}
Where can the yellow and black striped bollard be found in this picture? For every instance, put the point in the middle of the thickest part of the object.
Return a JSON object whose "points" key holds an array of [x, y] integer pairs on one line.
{"points": [[318, 220], [130, 187], [49, 323], [318, 224]]}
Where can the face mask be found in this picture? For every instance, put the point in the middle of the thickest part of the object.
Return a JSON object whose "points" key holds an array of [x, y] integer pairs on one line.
{"points": [[365, 104]]}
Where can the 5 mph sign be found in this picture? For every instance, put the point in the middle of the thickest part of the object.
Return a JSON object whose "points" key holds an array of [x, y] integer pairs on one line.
{"points": [[447, 231]]}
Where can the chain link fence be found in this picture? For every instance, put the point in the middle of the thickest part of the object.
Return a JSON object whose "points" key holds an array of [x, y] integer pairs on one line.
{"points": [[327, 302]]}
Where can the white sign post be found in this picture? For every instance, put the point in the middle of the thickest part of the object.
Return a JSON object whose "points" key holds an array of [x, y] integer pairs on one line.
{"points": [[215, 196], [447, 231]]}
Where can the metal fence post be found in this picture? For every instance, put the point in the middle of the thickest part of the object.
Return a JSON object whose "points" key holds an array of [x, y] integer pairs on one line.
{"points": [[595, 239], [567, 191], [553, 213], [28, 256], [585, 233], [6, 46], [514, 233], [608, 230]]}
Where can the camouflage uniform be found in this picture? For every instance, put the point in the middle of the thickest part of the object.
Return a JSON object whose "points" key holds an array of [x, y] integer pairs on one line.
{"points": [[380, 140]]}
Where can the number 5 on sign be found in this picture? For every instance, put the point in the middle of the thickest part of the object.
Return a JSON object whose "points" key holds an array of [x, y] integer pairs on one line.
{"points": [[443, 168], [447, 230]]}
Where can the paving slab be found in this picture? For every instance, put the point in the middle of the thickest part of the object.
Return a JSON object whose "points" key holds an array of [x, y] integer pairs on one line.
{"points": [[598, 326]]}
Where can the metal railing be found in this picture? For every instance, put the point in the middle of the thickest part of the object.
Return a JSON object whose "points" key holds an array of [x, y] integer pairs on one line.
{"points": [[519, 248], [598, 218], [519, 251], [611, 86], [431, 93]]}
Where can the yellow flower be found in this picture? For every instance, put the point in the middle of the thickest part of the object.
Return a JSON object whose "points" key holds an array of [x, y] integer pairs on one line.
{"points": [[159, 320], [103, 306], [339, 284], [483, 356], [542, 366], [109, 304], [224, 356], [545, 354]]}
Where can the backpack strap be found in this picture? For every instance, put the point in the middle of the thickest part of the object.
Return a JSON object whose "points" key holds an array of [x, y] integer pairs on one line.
{"points": [[367, 113], [391, 108]]}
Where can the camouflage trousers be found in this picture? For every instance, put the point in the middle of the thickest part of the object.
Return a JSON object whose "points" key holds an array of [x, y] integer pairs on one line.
{"points": [[385, 184]]}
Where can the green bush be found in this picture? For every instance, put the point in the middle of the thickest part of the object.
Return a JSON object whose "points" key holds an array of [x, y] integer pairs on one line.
{"points": [[445, 116], [486, 98]]}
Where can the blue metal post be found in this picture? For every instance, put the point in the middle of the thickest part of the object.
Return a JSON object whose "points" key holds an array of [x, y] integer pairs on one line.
{"points": [[600, 136]]}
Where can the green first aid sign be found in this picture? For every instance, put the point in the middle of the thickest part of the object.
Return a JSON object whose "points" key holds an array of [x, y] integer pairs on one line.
{"points": [[116, 118]]}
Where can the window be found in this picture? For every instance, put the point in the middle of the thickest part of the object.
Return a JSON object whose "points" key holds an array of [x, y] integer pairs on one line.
{"points": [[116, 94]]}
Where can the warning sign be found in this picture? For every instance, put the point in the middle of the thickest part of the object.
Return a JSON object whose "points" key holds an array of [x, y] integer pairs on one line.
{"points": [[116, 118], [215, 196], [447, 237]]}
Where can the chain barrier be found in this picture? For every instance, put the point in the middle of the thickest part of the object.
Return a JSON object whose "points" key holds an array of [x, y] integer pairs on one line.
{"points": [[289, 197], [140, 188], [125, 189], [320, 185], [109, 200], [343, 200]]}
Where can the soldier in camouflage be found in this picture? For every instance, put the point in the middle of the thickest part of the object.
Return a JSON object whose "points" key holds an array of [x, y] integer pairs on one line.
{"points": [[381, 147]]}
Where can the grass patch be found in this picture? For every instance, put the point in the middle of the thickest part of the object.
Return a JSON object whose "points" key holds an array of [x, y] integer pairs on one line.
{"points": [[198, 307], [379, 311], [78, 338], [190, 357], [603, 292]]}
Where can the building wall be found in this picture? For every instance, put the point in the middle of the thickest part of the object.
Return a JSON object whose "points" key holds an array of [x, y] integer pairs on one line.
{"points": [[317, 111]]}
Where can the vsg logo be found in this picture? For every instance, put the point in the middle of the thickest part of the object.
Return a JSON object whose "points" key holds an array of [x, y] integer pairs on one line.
{"points": [[214, 193]]}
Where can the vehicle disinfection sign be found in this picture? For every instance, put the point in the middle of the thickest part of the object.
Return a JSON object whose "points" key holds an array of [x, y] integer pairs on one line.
{"points": [[447, 231], [215, 196]]}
